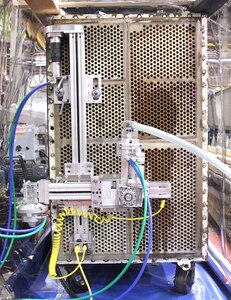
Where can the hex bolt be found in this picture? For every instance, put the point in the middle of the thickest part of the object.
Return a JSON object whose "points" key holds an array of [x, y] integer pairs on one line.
{"points": [[53, 168], [204, 125], [204, 178], [127, 197], [96, 94], [51, 115]]}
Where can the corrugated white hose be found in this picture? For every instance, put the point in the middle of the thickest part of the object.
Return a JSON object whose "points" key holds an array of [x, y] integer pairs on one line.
{"points": [[184, 144]]}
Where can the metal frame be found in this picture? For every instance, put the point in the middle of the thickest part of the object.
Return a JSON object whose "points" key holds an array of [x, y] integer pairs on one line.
{"points": [[78, 106], [200, 139]]}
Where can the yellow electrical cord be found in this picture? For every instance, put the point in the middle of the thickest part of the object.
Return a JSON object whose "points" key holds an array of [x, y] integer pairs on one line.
{"points": [[75, 270], [77, 250], [87, 215], [90, 215], [58, 232], [162, 204]]}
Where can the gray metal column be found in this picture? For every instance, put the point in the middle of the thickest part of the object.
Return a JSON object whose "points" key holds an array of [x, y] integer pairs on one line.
{"points": [[77, 97]]}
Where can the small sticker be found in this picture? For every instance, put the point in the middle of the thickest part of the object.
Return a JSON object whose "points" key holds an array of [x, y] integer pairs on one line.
{"points": [[40, 61]]}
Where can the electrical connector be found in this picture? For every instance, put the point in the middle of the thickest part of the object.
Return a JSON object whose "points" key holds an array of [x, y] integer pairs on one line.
{"points": [[162, 203], [77, 249], [84, 248]]}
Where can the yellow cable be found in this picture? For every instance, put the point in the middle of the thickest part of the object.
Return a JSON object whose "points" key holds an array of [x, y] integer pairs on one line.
{"points": [[75, 270], [58, 231], [81, 269], [90, 215], [56, 243], [162, 204]]}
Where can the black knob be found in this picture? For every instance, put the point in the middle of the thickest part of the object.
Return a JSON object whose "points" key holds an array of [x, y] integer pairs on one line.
{"points": [[18, 148]]}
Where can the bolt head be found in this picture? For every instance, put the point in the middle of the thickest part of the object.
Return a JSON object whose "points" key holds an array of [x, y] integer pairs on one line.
{"points": [[127, 197]]}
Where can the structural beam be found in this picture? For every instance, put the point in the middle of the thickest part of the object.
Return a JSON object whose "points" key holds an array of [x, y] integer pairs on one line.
{"points": [[153, 3], [47, 7], [208, 7]]}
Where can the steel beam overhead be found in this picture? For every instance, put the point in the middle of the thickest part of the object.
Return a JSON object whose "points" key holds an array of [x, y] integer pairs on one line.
{"points": [[208, 7]]}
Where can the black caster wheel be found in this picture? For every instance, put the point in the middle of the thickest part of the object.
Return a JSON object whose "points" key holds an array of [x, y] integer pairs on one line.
{"points": [[184, 280], [76, 281]]}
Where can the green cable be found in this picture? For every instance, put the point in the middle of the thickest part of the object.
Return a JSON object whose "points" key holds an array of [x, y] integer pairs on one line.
{"points": [[136, 247], [13, 188], [135, 250], [14, 227], [14, 200], [22, 236]]}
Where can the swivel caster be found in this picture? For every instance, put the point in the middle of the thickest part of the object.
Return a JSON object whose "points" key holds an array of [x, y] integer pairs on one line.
{"points": [[184, 277]]}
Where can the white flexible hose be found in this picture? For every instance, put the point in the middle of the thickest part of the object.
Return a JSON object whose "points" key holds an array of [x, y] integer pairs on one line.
{"points": [[184, 144]]}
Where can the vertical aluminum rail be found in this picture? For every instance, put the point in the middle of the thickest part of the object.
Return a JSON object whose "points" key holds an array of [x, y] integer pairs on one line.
{"points": [[77, 97]]}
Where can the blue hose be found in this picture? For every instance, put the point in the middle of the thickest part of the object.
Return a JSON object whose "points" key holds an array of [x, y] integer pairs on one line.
{"points": [[11, 153], [19, 230], [149, 241]]}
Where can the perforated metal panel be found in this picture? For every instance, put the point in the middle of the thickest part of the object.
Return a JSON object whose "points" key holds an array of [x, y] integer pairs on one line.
{"points": [[149, 74], [106, 236], [175, 228], [113, 107], [65, 56], [68, 229], [65, 156], [163, 73], [65, 121], [104, 48], [104, 158]]}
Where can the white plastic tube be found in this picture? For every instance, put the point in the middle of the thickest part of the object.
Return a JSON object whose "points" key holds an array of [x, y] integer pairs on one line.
{"points": [[184, 144]]}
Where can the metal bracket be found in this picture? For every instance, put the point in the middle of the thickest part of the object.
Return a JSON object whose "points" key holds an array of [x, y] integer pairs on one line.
{"points": [[159, 190], [79, 168], [96, 192], [61, 92], [94, 89], [185, 266]]}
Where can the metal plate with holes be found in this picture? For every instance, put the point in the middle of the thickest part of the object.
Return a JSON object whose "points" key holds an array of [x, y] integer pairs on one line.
{"points": [[176, 228], [150, 73], [68, 229], [163, 76]]}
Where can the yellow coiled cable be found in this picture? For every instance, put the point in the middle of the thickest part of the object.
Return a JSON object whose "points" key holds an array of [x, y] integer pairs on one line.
{"points": [[75, 270], [58, 231], [87, 215]]}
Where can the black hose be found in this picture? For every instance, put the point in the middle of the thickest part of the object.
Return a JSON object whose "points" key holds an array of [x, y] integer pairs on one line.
{"points": [[24, 169], [65, 284]]}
